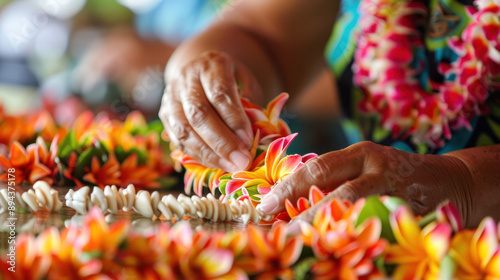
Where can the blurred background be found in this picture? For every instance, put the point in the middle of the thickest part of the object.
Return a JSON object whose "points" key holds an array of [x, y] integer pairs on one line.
{"points": [[67, 56]]}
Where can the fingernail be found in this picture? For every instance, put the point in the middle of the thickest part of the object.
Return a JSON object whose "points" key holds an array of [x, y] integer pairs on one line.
{"points": [[240, 160], [269, 203], [228, 166], [293, 227], [245, 137]]}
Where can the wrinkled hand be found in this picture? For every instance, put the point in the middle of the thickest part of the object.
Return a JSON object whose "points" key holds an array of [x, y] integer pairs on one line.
{"points": [[202, 112], [365, 169]]}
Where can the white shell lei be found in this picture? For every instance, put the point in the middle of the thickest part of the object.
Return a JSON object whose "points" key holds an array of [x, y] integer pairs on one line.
{"points": [[143, 202], [41, 196]]}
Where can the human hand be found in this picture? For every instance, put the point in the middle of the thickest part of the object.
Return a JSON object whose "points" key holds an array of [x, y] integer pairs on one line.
{"points": [[202, 113], [366, 168]]}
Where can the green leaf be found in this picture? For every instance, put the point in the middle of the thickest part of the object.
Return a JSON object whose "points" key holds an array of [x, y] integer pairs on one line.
{"points": [[253, 192], [85, 159], [122, 155], [431, 217], [380, 134], [155, 126], [87, 256], [258, 152], [68, 145], [448, 267], [393, 202], [375, 208], [379, 263], [222, 187], [167, 182], [302, 268]]}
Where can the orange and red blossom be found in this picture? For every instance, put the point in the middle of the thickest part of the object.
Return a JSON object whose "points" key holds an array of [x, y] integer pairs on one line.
{"points": [[197, 175], [267, 121], [315, 195], [198, 255], [418, 252], [343, 251], [272, 253], [275, 169], [34, 163]]}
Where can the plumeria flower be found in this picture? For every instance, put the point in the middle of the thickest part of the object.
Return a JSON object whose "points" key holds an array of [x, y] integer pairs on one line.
{"points": [[315, 195], [267, 122], [418, 252], [138, 175], [197, 175], [275, 169], [343, 251], [27, 162], [99, 238], [103, 174], [28, 263], [64, 251], [273, 253], [477, 253], [197, 256]]}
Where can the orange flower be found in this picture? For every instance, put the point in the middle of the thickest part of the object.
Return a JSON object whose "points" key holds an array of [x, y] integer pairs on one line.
{"points": [[477, 253], [108, 174], [267, 121], [273, 253], [418, 253], [343, 252], [315, 195], [139, 176], [198, 256], [197, 175], [263, 178], [28, 263], [27, 163]]}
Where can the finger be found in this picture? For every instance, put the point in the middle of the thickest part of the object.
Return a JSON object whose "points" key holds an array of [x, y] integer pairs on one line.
{"points": [[208, 125], [365, 185], [327, 172], [186, 139], [221, 90]]}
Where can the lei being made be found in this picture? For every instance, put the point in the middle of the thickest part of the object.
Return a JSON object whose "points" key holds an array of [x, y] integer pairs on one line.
{"points": [[387, 72], [373, 238]]}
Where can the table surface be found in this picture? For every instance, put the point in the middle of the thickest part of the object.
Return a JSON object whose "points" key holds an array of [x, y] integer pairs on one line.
{"points": [[36, 223]]}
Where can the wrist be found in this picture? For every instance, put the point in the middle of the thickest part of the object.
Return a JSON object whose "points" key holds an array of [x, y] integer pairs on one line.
{"points": [[462, 184]]}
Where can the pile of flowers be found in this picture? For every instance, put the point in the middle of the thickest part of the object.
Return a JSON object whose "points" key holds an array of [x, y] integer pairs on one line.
{"points": [[94, 150], [388, 67], [372, 238]]}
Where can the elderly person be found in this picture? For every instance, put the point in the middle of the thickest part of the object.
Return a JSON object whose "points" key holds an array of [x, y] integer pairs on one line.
{"points": [[401, 79]]}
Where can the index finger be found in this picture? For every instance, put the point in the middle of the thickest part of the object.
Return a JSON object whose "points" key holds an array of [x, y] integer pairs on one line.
{"points": [[211, 128], [327, 171], [222, 92]]}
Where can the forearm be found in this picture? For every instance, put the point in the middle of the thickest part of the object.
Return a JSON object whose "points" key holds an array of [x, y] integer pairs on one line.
{"points": [[483, 167], [280, 42]]}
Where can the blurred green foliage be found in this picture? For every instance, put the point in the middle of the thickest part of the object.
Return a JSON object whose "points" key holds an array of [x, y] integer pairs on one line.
{"points": [[109, 11]]}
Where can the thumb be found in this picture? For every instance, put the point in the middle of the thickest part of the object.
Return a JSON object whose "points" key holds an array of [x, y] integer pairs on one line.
{"points": [[351, 191], [325, 171]]}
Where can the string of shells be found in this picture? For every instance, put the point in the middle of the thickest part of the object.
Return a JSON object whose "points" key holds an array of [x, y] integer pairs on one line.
{"points": [[40, 196], [149, 205]]}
